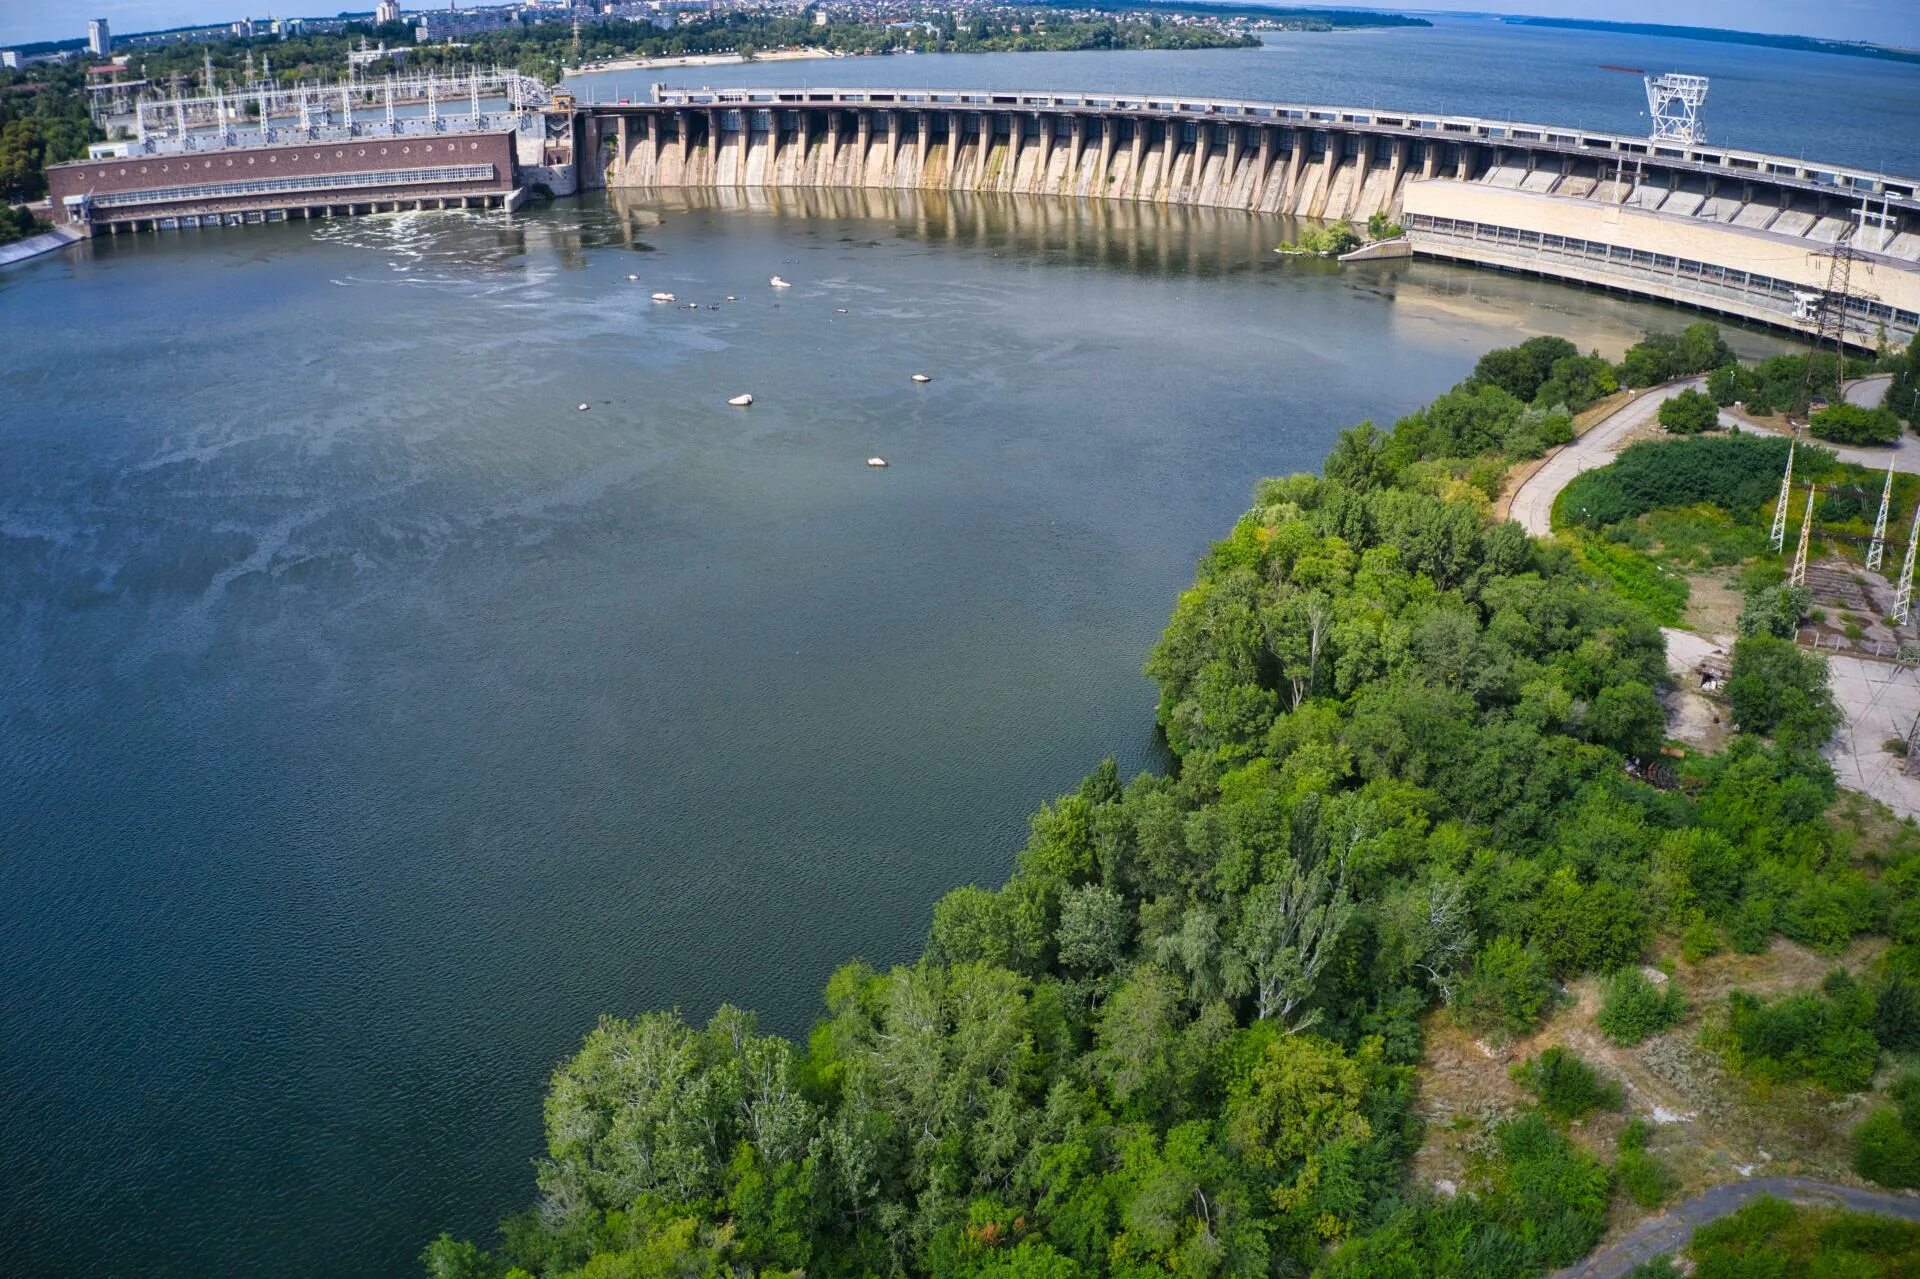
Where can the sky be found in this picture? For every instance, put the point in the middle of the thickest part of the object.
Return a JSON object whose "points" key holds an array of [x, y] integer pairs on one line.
{"points": [[1881, 21]]}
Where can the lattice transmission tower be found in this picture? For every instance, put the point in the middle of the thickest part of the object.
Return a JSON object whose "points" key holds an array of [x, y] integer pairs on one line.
{"points": [[1903, 597], [1828, 311], [1780, 508], [1799, 575], [1877, 550]]}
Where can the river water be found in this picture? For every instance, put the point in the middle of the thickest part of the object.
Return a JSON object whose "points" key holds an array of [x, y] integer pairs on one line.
{"points": [[373, 718]]}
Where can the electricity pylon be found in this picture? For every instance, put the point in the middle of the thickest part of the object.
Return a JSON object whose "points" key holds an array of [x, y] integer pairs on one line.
{"points": [[1780, 509], [1877, 549], [1903, 598], [1799, 575]]}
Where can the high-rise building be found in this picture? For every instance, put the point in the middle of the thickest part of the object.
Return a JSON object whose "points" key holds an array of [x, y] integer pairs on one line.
{"points": [[99, 39], [388, 11], [10, 59]]}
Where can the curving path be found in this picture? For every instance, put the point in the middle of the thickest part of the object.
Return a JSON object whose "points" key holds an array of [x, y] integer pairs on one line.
{"points": [[1868, 391], [1669, 1232], [1532, 502]]}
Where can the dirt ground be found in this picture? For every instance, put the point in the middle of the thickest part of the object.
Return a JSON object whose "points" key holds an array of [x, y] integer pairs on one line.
{"points": [[1710, 1125], [1713, 606]]}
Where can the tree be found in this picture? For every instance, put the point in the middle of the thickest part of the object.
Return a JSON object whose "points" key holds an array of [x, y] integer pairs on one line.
{"points": [[1632, 1007], [1287, 934], [1775, 688], [1358, 458], [1507, 989], [1851, 424], [1689, 413]]}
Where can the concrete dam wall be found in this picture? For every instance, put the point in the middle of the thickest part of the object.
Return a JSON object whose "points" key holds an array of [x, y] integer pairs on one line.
{"points": [[1740, 233], [1206, 165]]}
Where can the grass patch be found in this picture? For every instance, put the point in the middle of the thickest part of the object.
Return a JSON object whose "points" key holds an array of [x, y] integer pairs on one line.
{"points": [[1658, 590]]}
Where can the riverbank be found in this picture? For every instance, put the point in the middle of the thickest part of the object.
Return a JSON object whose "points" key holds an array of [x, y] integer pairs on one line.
{"points": [[35, 245], [705, 60]]}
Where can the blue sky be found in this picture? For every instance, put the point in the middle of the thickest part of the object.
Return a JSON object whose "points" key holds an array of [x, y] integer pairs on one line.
{"points": [[1882, 21]]}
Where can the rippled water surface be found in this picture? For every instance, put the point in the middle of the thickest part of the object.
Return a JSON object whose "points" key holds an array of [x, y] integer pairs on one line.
{"points": [[372, 718]]}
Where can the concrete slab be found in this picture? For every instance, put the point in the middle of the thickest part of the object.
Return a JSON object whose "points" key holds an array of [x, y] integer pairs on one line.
{"points": [[1880, 700]]}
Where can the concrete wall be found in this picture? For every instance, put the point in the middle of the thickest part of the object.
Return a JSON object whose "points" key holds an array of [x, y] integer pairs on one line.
{"points": [[1879, 284], [1238, 166]]}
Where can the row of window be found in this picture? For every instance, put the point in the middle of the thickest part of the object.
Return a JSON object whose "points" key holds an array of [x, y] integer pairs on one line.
{"points": [[318, 182], [1706, 275], [272, 157]]}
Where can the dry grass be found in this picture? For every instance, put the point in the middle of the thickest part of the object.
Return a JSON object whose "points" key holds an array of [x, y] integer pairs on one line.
{"points": [[1710, 1125], [1713, 606]]}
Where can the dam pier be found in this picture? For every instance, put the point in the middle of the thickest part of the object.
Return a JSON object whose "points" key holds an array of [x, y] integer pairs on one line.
{"points": [[1739, 233]]}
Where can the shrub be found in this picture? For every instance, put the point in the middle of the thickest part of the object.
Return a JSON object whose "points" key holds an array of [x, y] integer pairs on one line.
{"points": [[1886, 1144], [1567, 1087], [1775, 610], [1634, 1008], [1738, 473], [1851, 424], [1823, 1038], [1577, 381], [1771, 1239], [1689, 413], [1507, 989], [1699, 940], [1647, 1181]]}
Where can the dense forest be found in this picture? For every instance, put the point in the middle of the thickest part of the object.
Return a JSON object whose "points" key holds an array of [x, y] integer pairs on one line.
{"points": [[1418, 782], [43, 120]]}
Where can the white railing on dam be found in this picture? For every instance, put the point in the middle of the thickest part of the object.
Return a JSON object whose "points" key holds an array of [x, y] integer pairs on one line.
{"points": [[1450, 128]]}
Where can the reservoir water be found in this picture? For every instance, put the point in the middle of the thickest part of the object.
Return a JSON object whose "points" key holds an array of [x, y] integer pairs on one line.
{"points": [[372, 718]]}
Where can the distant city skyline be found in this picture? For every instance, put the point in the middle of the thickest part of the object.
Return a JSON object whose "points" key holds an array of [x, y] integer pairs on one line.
{"points": [[1895, 22]]}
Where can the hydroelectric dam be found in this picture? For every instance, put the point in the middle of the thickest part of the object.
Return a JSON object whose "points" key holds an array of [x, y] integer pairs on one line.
{"points": [[1746, 234]]}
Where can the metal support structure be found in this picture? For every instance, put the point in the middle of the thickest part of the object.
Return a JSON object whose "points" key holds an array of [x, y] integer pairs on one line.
{"points": [[1903, 597], [1673, 106], [1799, 575], [1779, 536], [1877, 549]]}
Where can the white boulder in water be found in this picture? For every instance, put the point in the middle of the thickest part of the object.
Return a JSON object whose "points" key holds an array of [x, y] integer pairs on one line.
{"points": [[779, 283], [876, 462], [921, 377], [741, 401], [663, 297]]}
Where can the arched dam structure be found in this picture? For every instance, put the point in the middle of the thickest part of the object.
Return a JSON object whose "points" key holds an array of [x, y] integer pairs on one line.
{"points": [[1736, 232]]}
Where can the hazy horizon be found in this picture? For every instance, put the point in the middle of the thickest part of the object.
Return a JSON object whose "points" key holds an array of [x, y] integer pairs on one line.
{"points": [[1895, 22]]}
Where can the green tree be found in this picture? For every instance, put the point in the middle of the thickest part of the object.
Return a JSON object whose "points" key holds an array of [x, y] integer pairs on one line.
{"points": [[1777, 689], [1689, 413], [1508, 988]]}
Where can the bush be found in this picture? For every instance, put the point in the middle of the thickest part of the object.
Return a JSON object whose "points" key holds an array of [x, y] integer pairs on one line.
{"points": [[1699, 940], [1775, 610], [1508, 988], [1689, 413], [1851, 424], [1823, 1038], [1634, 1008], [1567, 1087], [1886, 1145], [1738, 473], [1772, 1239], [1647, 1181]]}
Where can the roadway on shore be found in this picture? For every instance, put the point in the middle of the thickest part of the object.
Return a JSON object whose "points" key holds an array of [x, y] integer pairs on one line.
{"points": [[1533, 501], [1670, 1231]]}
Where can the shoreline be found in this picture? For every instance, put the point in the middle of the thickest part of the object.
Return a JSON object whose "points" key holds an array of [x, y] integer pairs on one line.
{"points": [[35, 246], [703, 60]]}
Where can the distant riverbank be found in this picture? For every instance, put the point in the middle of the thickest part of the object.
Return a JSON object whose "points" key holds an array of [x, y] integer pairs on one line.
{"points": [[704, 60]]}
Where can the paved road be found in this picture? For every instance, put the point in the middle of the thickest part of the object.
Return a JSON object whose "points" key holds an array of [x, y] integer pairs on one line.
{"points": [[1670, 1231], [1532, 503], [1867, 392]]}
